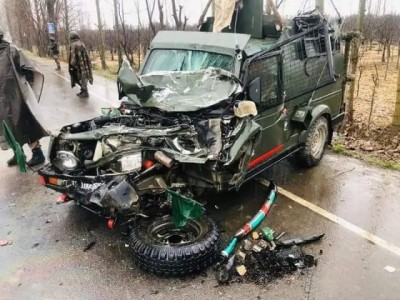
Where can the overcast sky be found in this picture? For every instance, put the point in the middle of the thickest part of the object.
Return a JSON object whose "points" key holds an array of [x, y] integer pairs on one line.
{"points": [[193, 9]]}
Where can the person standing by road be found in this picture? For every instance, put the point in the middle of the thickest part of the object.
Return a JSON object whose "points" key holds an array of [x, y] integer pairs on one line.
{"points": [[55, 52], [79, 64], [16, 71]]}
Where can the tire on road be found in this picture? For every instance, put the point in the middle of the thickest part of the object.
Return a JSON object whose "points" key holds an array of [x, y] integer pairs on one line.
{"points": [[314, 147], [159, 247]]}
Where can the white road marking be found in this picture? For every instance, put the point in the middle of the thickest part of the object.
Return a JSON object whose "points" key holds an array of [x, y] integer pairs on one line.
{"points": [[338, 220], [92, 93]]}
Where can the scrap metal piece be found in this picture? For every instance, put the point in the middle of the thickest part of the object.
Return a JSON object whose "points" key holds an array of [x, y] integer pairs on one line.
{"points": [[301, 241]]}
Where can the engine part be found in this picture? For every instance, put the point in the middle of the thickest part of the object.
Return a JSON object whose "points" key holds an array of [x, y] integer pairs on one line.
{"points": [[164, 159], [154, 183], [121, 197]]}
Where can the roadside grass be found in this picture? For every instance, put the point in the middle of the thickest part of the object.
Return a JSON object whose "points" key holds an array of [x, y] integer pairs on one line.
{"points": [[370, 159]]}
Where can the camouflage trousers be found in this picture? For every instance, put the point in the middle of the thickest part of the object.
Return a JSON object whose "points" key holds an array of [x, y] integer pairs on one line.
{"points": [[84, 83], [57, 60]]}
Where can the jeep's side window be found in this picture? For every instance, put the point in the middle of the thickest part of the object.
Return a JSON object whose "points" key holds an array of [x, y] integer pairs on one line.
{"points": [[305, 64], [267, 68]]}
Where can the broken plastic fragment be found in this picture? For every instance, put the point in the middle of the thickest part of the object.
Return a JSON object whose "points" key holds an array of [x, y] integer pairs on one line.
{"points": [[184, 208], [268, 233]]}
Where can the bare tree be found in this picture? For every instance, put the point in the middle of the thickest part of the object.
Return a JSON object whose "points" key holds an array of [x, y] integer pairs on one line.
{"points": [[116, 18], [101, 37], [150, 12], [51, 16], [177, 15], [161, 14], [396, 117], [354, 62]]}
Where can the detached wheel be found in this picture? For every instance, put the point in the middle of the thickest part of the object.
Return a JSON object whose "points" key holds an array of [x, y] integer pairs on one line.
{"points": [[163, 249], [314, 147]]}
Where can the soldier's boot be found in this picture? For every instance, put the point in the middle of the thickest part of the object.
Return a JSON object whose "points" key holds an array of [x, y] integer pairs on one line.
{"points": [[84, 94], [79, 93], [37, 157], [12, 161]]}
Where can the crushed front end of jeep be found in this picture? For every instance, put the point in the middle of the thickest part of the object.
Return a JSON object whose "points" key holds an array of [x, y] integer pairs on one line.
{"points": [[125, 161]]}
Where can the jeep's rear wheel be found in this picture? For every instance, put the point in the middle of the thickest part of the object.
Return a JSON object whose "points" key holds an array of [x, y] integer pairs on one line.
{"points": [[161, 248], [314, 146]]}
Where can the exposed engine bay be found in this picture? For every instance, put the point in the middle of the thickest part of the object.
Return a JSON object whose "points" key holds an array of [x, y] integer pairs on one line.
{"points": [[118, 159]]}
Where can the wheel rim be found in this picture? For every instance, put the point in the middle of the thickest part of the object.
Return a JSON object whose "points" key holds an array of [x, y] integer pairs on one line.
{"points": [[318, 141], [166, 233]]}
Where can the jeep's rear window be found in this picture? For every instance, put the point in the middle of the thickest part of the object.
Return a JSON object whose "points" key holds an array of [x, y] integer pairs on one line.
{"points": [[186, 60]]}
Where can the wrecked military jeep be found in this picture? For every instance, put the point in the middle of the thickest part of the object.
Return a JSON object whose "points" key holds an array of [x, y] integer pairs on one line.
{"points": [[206, 112]]}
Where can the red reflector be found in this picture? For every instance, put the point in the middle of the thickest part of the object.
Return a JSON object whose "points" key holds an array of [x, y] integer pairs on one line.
{"points": [[148, 164], [265, 156], [111, 223], [42, 180], [63, 198]]}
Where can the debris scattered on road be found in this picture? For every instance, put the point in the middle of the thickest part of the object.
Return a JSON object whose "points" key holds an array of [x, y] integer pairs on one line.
{"points": [[241, 270], [255, 235], [35, 245], [301, 241], [247, 245], [257, 248], [3, 243], [240, 257], [390, 269], [268, 265], [89, 246], [263, 244], [48, 221], [268, 233]]}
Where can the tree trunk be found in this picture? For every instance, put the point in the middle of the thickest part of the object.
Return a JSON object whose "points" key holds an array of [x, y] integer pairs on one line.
{"points": [[384, 53], [101, 37], [161, 14], [354, 61], [66, 20], [51, 17], [150, 12], [119, 51], [396, 117], [178, 21]]}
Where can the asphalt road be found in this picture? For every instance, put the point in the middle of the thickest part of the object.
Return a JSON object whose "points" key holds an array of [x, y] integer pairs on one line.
{"points": [[355, 205]]}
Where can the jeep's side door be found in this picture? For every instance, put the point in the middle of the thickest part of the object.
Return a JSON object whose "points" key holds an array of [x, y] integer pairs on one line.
{"points": [[271, 118]]}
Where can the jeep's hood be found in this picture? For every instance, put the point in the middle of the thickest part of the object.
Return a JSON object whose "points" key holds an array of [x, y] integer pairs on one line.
{"points": [[181, 91]]}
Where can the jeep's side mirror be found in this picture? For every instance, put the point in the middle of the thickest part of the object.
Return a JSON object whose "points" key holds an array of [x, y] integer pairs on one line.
{"points": [[254, 91]]}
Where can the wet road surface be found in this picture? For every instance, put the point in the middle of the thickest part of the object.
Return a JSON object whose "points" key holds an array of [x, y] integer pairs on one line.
{"points": [[46, 258]]}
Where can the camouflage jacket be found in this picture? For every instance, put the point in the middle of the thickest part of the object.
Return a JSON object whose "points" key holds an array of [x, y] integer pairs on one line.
{"points": [[79, 63], [17, 97]]}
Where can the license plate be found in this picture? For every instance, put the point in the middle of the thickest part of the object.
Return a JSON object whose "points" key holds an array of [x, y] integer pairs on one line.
{"points": [[86, 186]]}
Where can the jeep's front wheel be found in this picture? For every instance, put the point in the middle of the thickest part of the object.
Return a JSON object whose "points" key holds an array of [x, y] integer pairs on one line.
{"points": [[314, 147], [158, 246]]}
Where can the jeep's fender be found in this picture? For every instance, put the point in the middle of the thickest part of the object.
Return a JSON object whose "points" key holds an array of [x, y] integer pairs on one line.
{"points": [[316, 112]]}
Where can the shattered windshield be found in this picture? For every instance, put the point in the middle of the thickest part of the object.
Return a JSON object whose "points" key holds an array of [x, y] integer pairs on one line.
{"points": [[186, 60]]}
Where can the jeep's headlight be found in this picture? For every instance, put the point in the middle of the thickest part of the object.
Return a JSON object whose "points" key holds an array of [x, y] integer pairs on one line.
{"points": [[131, 162], [67, 160]]}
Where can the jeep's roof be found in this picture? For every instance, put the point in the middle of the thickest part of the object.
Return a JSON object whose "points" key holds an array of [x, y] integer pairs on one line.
{"points": [[208, 41]]}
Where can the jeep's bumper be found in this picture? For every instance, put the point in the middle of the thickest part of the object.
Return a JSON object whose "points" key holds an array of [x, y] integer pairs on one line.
{"points": [[76, 187]]}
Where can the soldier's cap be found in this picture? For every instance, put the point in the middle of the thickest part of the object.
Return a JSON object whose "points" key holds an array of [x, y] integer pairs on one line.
{"points": [[73, 35], [1, 31], [52, 38]]}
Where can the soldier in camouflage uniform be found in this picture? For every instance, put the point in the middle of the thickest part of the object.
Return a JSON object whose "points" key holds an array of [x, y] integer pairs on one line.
{"points": [[55, 52], [16, 71], [80, 66]]}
